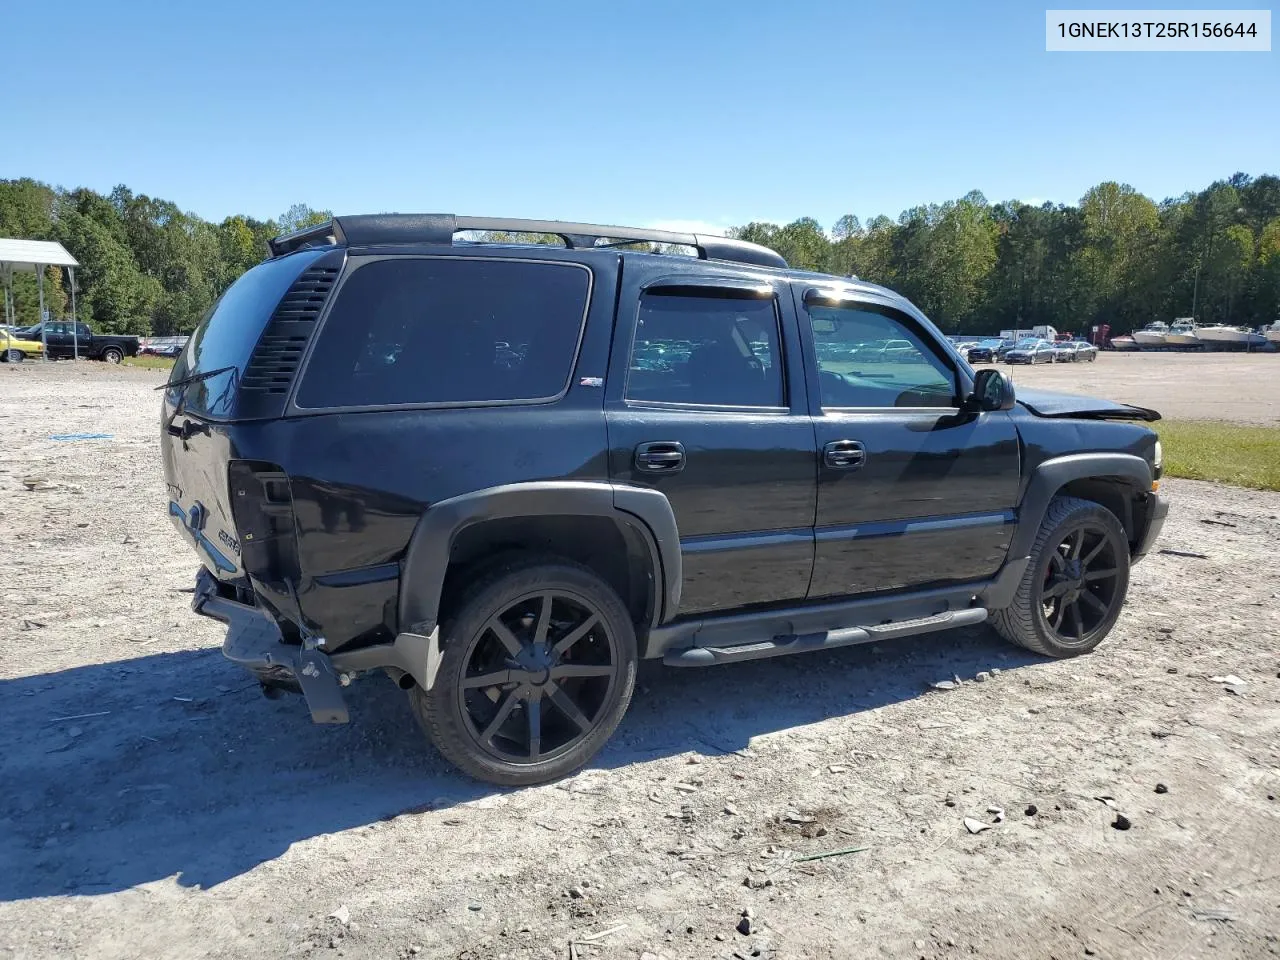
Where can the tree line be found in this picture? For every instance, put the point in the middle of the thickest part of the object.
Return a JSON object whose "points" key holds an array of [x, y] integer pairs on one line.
{"points": [[1116, 257], [146, 267]]}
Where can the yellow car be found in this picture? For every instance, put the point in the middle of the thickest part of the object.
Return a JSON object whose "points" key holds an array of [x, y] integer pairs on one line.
{"points": [[15, 350]]}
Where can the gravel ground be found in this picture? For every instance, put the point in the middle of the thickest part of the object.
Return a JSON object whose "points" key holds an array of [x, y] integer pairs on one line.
{"points": [[1240, 387], [155, 805]]}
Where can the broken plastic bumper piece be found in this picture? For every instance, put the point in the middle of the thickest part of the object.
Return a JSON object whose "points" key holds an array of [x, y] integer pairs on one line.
{"points": [[254, 642]]}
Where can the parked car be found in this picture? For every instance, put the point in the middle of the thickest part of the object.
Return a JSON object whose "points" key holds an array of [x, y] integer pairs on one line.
{"points": [[506, 537], [1063, 352], [163, 350], [66, 339], [14, 348], [984, 352], [1085, 350], [161, 346], [1004, 346], [1031, 350]]}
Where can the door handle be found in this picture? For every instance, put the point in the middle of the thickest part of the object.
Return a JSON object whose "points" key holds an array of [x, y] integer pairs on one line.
{"points": [[660, 457], [844, 455]]}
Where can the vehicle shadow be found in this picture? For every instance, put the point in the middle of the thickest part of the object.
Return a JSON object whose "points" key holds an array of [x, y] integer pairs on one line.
{"points": [[175, 766]]}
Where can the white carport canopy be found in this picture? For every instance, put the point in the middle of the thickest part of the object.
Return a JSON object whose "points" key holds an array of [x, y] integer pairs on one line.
{"points": [[33, 256]]}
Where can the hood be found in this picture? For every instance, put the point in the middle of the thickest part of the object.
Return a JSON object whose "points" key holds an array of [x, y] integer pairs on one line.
{"points": [[1048, 403]]}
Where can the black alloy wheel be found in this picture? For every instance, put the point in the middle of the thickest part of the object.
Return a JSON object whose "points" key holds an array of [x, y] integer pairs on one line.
{"points": [[538, 676], [1075, 583], [1080, 587], [537, 667]]}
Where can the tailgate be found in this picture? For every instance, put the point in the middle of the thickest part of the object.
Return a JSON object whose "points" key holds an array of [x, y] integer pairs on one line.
{"points": [[196, 453]]}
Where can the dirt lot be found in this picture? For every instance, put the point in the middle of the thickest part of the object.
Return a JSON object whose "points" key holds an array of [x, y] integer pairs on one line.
{"points": [[1244, 388], [174, 812]]}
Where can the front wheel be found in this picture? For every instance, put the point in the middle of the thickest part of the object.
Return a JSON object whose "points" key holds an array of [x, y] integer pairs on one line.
{"points": [[1075, 585], [537, 668], [14, 356], [112, 355]]}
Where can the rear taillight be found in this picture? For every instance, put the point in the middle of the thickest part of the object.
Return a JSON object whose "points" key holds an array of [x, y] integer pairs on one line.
{"points": [[262, 507]]}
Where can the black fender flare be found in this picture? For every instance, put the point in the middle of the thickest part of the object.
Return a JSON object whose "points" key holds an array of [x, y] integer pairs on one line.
{"points": [[1053, 474], [426, 560]]}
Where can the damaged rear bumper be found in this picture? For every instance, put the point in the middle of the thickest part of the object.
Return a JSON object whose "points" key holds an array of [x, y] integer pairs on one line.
{"points": [[254, 641]]}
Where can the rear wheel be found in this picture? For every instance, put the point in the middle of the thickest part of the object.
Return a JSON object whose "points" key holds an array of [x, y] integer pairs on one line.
{"points": [[14, 356], [112, 355], [1075, 585], [537, 668]]}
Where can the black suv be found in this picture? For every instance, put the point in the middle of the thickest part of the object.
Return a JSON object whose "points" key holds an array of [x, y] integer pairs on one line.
{"points": [[502, 472]]}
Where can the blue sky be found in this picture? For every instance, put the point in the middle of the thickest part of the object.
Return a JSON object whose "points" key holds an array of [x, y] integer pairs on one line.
{"points": [[642, 112]]}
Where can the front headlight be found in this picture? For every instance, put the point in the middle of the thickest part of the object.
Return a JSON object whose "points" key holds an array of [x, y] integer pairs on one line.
{"points": [[1157, 460]]}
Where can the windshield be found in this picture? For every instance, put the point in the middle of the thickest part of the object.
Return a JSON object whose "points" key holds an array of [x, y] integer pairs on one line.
{"points": [[1028, 343], [225, 337]]}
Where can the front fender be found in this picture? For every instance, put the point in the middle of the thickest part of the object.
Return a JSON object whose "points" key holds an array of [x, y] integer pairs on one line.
{"points": [[1053, 474], [426, 561]]}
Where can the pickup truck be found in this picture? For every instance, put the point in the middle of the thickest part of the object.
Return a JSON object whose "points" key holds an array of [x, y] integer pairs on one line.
{"points": [[66, 339]]}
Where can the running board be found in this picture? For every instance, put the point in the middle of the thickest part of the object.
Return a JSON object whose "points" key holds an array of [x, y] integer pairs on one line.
{"points": [[826, 640]]}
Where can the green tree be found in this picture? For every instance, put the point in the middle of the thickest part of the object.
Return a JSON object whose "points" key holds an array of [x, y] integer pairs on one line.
{"points": [[116, 297], [26, 209], [1267, 290], [300, 216], [1121, 228]]}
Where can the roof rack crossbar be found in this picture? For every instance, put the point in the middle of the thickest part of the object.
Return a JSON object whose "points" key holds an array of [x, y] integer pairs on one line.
{"points": [[396, 228]]}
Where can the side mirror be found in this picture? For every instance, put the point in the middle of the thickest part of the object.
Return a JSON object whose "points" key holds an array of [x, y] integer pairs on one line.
{"points": [[992, 390]]}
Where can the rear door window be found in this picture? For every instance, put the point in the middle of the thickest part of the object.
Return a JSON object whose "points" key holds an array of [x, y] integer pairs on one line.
{"points": [[448, 331], [708, 350]]}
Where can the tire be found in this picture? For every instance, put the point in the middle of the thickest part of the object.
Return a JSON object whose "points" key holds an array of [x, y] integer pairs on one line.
{"points": [[112, 355], [511, 599], [1054, 589], [14, 356]]}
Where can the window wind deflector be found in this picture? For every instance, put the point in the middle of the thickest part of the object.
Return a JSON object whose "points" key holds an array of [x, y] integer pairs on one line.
{"points": [[831, 295], [721, 288]]}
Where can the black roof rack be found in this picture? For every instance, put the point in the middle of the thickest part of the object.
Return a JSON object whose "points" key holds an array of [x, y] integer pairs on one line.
{"points": [[392, 228]]}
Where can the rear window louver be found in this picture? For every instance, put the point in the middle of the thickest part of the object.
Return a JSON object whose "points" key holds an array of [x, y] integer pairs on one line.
{"points": [[275, 360]]}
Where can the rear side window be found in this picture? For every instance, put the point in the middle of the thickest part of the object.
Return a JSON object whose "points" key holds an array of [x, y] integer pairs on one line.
{"points": [[448, 330]]}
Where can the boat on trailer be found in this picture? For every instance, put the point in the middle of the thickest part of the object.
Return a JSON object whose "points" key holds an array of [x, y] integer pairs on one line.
{"points": [[1152, 335], [1221, 335], [1182, 333]]}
